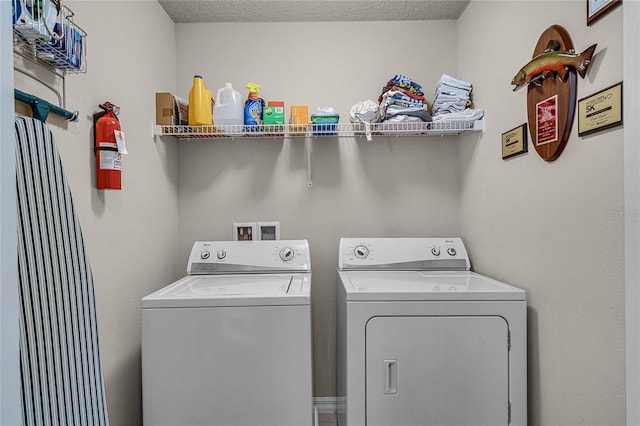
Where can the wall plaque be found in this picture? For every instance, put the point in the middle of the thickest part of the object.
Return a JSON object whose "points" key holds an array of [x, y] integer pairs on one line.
{"points": [[600, 111], [552, 93], [514, 142]]}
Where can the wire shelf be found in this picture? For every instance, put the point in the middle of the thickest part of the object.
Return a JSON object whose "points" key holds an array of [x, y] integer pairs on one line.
{"points": [[440, 128]]}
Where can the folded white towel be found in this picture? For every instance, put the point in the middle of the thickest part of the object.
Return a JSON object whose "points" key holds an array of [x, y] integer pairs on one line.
{"points": [[466, 115], [447, 79], [451, 91]]}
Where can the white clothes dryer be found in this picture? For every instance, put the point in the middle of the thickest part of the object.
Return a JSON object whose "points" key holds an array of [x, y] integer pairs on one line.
{"points": [[230, 344], [423, 340]]}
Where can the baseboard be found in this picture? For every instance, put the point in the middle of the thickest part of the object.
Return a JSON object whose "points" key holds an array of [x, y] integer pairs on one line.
{"points": [[326, 404]]}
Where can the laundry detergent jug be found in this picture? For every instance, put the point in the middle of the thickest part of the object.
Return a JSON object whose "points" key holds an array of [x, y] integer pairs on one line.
{"points": [[200, 100], [229, 108]]}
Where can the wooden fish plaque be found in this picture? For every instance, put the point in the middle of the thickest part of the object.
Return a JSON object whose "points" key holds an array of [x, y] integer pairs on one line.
{"points": [[551, 105]]}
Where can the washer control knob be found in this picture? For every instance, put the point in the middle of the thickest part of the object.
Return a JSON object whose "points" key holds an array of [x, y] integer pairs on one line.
{"points": [[221, 254], [451, 251], [205, 255], [361, 252], [287, 254], [435, 251]]}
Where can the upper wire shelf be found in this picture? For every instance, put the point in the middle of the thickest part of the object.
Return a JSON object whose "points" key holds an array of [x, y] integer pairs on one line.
{"points": [[439, 128]]}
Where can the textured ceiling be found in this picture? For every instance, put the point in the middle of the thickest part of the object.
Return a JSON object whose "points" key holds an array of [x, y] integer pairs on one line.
{"points": [[188, 11]]}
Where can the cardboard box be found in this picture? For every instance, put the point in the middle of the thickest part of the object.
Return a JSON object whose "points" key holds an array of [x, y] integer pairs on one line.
{"points": [[171, 110], [273, 113], [273, 118], [299, 119]]}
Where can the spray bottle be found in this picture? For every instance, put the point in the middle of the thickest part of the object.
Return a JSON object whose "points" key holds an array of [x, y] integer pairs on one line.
{"points": [[253, 108]]}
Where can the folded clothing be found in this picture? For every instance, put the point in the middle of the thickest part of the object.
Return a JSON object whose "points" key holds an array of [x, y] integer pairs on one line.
{"points": [[454, 82], [421, 113], [404, 83], [388, 111], [403, 119], [452, 95], [402, 95], [401, 99], [468, 114], [391, 101]]}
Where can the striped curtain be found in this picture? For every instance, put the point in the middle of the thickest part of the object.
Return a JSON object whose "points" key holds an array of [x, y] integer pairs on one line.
{"points": [[62, 382]]}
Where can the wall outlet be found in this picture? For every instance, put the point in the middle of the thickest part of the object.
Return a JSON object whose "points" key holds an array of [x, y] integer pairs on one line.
{"points": [[268, 230]]}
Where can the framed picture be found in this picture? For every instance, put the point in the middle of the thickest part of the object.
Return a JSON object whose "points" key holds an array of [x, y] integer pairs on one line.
{"points": [[600, 111], [514, 141], [547, 121], [596, 9]]}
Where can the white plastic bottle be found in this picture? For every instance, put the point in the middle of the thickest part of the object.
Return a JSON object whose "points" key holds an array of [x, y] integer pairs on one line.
{"points": [[229, 108]]}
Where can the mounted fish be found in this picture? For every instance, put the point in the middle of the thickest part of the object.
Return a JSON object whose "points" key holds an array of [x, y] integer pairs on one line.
{"points": [[552, 63]]}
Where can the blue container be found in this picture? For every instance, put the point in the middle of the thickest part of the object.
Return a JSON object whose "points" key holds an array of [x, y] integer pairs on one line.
{"points": [[324, 124]]}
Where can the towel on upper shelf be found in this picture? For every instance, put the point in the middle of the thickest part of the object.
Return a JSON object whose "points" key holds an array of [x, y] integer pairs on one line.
{"points": [[468, 114], [454, 82], [451, 96]]}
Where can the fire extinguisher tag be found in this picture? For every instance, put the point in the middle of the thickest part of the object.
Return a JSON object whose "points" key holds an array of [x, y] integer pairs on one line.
{"points": [[122, 146], [110, 160]]}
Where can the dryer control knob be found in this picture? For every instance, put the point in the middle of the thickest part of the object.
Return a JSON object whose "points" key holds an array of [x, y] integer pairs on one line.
{"points": [[451, 251], [205, 255], [361, 252], [435, 251], [221, 254], [287, 254]]}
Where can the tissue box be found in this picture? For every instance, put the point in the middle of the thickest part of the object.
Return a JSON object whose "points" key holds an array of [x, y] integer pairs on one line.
{"points": [[324, 124]]}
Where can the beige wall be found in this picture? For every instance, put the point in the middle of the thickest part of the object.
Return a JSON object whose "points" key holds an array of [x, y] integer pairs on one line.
{"points": [[631, 42], [554, 229], [130, 235], [551, 228], [388, 187]]}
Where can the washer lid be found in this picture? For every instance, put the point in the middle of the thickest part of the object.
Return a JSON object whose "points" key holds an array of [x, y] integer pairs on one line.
{"points": [[421, 285], [232, 290]]}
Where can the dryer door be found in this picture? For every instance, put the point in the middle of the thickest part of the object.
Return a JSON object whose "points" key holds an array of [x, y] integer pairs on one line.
{"points": [[437, 370]]}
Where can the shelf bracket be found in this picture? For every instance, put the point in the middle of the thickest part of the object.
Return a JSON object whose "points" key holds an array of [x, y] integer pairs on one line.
{"points": [[307, 147]]}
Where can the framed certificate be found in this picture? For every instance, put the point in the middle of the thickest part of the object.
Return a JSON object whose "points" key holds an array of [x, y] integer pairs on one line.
{"points": [[596, 9], [600, 111], [547, 121]]}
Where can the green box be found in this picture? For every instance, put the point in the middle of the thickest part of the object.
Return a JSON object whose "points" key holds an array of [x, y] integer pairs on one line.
{"points": [[273, 113]]}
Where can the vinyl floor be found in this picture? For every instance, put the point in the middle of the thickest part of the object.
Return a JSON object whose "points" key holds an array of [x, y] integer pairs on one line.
{"points": [[327, 419]]}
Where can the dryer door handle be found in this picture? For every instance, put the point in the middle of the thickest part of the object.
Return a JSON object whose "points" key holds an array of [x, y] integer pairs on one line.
{"points": [[390, 376]]}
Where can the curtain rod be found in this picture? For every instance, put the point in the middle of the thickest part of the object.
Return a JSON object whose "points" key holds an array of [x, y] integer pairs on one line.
{"points": [[42, 108]]}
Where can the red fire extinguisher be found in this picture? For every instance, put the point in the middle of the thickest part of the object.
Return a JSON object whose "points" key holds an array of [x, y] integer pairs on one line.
{"points": [[106, 131]]}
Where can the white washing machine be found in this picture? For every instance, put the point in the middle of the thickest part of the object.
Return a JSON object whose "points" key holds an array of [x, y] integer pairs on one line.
{"points": [[423, 341], [230, 344]]}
